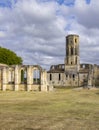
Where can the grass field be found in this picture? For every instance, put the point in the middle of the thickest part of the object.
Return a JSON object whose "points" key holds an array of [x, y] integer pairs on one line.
{"points": [[63, 109]]}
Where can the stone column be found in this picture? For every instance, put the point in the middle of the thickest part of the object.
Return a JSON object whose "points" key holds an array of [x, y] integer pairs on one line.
{"points": [[90, 79], [16, 76], [89, 82], [4, 79], [29, 78], [43, 80]]}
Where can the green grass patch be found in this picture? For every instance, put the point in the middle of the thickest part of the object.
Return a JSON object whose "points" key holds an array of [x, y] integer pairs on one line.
{"points": [[62, 109]]}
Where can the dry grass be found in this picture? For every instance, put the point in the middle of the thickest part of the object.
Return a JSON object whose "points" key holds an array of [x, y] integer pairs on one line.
{"points": [[59, 110]]}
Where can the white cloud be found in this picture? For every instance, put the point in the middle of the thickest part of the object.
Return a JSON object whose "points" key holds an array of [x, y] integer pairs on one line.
{"points": [[36, 30], [83, 20]]}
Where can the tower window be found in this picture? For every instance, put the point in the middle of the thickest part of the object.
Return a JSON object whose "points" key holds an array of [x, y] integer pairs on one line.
{"points": [[75, 40], [71, 50]]}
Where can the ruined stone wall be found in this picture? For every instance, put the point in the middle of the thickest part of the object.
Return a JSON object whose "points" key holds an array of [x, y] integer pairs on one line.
{"points": [[71, 73], [77, 80], [83, 79], [23, 78], [96, 75], [65, 80], [56, 79]]}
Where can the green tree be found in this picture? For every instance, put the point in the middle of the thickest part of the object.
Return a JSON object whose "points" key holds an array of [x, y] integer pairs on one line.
{"points": [[9, 57]]}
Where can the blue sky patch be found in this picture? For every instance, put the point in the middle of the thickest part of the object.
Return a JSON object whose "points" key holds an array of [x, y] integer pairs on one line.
{"points": [[7, 3], [88, 1], [69, 2], [65, 2]]}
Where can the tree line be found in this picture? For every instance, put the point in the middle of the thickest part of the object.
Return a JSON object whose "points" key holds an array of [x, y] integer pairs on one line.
{"points": [[9, 57]]}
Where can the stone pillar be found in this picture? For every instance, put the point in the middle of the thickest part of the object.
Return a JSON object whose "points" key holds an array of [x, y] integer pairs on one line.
{"points": [[90, 78], [89, 83], [4, 79], [16, 80], [29, 78], [43, 80]]}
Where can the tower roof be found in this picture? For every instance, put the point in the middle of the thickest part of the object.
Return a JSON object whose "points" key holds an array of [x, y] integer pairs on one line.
{"points": [[72, 35]]}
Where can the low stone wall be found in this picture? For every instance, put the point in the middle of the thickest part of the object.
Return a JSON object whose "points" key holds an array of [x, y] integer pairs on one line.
{"points": [[21, 87]]}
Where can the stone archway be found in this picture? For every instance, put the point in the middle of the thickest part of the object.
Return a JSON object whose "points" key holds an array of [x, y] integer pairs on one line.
{"points": [[28, 82]]}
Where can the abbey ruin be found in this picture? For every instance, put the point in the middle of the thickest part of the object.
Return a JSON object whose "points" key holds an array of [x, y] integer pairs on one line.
{"points": [[71, 73]]}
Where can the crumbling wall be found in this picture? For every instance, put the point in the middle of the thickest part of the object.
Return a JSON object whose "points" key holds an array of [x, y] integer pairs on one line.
{"points": [[24, 78]]}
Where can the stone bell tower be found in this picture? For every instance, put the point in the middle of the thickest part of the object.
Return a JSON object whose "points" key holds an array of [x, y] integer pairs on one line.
{"points": [[72, 53]]}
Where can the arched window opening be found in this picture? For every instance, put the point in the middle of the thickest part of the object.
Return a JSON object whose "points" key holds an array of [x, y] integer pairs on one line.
{"points": [[63, 66], [36, 76], [59, 77], [11, 77], [73, 77], [75, 40], [83, 66], [50, 77], [53, 67], [23, 76], [66, 76]]}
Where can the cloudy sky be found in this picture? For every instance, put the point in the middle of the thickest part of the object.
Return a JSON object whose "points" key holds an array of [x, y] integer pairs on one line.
{"points": [[36, 29]]}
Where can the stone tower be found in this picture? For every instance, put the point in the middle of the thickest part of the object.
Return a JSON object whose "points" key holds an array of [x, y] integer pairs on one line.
{"points": [[72, 53]]}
